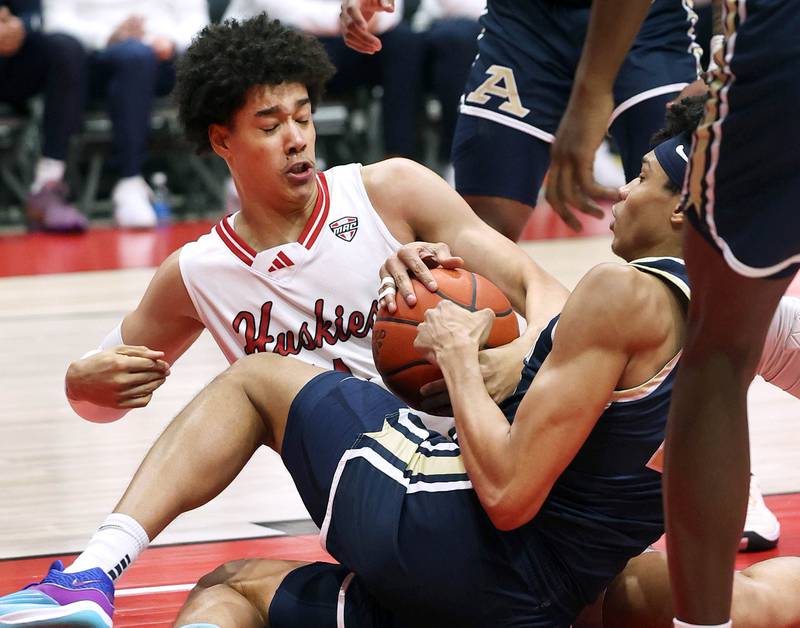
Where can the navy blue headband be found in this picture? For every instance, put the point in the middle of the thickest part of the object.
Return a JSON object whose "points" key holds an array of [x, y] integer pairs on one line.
{"points": [[673, 155]]}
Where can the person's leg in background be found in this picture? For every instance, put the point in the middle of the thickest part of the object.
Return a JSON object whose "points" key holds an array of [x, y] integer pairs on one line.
{"points": [[451, 47], [398, 69], [707, 454], [55, 65], [354, 73], [401, 78], [128, 74], [515, 93], [764, 594], [633, 128], [498, 171]]}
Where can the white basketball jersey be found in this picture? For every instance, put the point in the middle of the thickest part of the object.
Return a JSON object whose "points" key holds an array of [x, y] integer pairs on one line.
{"points": [[314, 299]]}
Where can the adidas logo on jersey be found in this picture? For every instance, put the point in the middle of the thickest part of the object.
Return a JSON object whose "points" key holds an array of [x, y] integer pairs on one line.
{"points": [[345, 228], [281, 261]]}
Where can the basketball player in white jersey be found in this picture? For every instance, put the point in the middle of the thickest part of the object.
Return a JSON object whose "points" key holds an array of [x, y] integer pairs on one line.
{"points": [[294, 273]]}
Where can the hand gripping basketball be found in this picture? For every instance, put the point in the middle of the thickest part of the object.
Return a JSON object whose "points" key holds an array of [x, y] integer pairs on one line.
{"points": [[448, 327], [403, 368]]}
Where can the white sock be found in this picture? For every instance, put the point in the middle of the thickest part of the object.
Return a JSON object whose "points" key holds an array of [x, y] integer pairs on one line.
{"points": [[677, 623], [47, 170], [116, 544]]}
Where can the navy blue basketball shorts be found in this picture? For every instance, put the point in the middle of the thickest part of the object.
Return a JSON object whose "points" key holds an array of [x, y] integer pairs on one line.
{"points": [[520, 82], [322, 595], [396, 508], [742, 190]]}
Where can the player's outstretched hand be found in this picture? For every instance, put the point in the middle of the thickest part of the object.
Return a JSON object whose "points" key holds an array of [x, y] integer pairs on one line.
{"points": [[417, 258], [123, 377], [354, 21], [570, 183], [500, 368]]}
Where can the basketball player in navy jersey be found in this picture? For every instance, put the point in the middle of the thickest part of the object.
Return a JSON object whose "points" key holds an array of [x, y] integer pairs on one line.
{"points": [[517, 91], [519, 85], [537, 506], [742, 253]]}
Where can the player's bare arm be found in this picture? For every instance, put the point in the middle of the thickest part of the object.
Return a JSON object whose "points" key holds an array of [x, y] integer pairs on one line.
{"points": [[153, 336], [601, 344], [612, 28], [417, 205], [420, 208]]}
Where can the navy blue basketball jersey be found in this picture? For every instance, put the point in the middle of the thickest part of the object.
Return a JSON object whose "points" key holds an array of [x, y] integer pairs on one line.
{"points": [[606, 505], [396, 507]]}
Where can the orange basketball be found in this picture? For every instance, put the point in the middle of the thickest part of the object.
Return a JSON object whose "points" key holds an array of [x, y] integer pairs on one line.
{"points": [[403, 369]]}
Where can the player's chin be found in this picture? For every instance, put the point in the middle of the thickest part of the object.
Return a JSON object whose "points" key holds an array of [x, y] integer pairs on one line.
{"points": [[617, 247]]}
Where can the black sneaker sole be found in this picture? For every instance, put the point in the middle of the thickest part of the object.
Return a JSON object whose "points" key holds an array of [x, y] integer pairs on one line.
{"points": [[752, 542]]}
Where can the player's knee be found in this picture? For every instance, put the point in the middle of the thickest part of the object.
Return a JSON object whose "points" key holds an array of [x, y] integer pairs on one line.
{"points": [[225, 574], [213, 596], [639, 597], [752, 605], [780, 359], [250, 368]]}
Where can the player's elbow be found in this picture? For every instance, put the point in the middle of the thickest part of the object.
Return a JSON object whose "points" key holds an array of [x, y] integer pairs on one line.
{"points": [[507, 511], [505, 519]]}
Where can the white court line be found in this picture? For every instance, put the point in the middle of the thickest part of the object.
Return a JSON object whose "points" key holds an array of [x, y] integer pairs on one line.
{"points": [[166, 588]]}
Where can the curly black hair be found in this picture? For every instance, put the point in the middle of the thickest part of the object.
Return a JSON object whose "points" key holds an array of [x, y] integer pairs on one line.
{"points": [[682, 116], [226, 60]]}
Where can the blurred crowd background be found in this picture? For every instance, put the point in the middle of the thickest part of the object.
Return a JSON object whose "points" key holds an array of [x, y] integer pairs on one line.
{"points": [[89, 134]]}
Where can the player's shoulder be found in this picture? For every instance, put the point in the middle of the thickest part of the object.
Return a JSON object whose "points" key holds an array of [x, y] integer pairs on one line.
{"points": [[399, 189], [392, 174], [169, 275], [618, 297], [167, 296], [172, 263], [623, 281]]}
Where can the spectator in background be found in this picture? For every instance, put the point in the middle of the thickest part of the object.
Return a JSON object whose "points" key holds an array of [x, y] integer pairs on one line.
{"points": [[398, 69], [450, 29], [53, 65], [132, 49]]}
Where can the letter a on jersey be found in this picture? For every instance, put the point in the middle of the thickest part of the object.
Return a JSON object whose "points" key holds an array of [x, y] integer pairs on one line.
{"points": [[500, 83], [345, 228]]}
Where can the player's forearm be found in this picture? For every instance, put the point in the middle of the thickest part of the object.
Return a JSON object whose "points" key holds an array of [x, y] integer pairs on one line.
{"points": [[545, 297], [483, 432], [613, 26]]}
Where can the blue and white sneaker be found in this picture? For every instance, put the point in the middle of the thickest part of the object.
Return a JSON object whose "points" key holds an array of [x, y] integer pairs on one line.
{"points": [[83, 598]]}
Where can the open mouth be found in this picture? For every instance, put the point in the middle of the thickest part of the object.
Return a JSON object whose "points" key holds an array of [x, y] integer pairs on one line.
{"points": [[300, 168]]}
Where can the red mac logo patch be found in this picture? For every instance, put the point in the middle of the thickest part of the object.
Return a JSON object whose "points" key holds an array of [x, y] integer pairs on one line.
{"points": [[345, 228]]}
